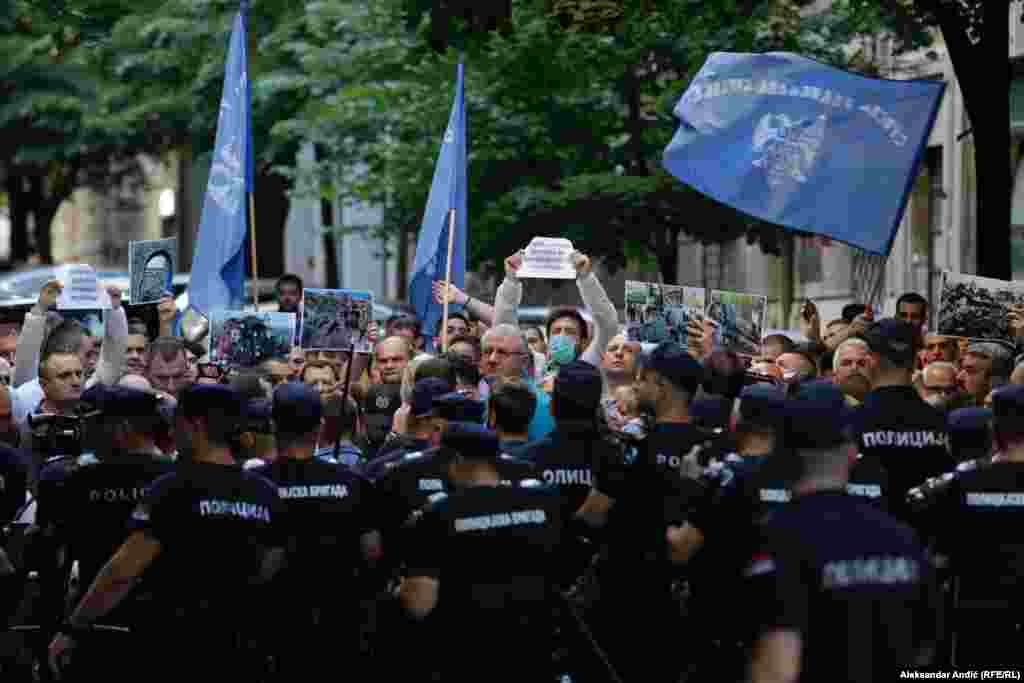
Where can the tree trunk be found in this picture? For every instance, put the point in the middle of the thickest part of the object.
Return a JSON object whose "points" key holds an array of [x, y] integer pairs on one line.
{"points": [[668, 255], [403, 262], [42, 213], [637, 163], [19, 218], [331, 260], [271, 215]]}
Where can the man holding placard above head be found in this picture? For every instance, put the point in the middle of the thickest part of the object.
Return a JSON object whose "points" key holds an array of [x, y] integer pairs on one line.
{"points": [[556, 259]]}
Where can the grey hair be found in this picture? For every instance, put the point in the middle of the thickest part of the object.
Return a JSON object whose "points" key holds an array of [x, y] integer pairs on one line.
{"points": [[851, 343], [409, 377], [509, 330]]}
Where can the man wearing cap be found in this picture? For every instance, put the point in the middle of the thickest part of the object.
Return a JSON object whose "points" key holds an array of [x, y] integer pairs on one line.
{"points": [[331, 520], [976, 514], [985, 366], [838, 589], [98, 497], [633, 501], [970, 433], [906, 435], [489, 547], [200, 537]]}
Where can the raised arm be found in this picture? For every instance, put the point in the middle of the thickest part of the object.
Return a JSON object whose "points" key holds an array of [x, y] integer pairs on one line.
{"points": [[606, 318], [510, 293], [115, 340], [478, 309], [30, 341]]}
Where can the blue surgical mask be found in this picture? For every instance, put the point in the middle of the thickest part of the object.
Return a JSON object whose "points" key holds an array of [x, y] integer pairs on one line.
{"points": [[562, 349]]}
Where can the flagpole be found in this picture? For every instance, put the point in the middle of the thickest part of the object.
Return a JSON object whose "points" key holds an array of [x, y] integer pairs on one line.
{"points": [[448, 280], [252, 248]]}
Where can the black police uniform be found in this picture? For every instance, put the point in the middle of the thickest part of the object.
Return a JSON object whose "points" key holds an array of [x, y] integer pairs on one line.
{"points": [[13, 483], [851, 581], [491, 549], [905, 434], [975, 513], [869, 481], [970, 436]]}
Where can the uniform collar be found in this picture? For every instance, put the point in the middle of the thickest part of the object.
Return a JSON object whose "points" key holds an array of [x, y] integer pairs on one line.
{"points": [[880, 394]]}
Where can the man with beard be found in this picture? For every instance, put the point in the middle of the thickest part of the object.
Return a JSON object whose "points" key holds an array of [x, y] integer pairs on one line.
{"points": [[852, 369], [938, 386], [984, 366]]}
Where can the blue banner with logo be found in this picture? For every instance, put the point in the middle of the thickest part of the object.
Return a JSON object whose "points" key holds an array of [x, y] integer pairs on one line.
{"points": [[447, 191], [803, 145], [217, 279]]}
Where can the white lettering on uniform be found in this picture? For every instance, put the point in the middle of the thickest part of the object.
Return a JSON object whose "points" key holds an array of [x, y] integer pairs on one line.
{"points": [[920, 439], [120, 495], [673, 461], [774, 496], [568, 477], [878, 571], [431, 485], [501, 520], [864, 490], [227, 508], [313, 491], [995, 499]]}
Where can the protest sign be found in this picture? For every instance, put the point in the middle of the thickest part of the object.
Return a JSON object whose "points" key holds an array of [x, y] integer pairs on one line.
{"points": [[81, 289], [244, 339], [548, 258], [90, 319], [151, 265], [738, 320], [334, 319], [977, 307], [657, 313]]}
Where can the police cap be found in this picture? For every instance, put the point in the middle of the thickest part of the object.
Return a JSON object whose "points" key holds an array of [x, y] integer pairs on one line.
{"points": [[200, 400], [894, 339], [763, 405], [458, 408], [424, 392], [579, 384], [1008, 406], [817, 417], [297, 408], [671, 361], [470, 440], [118, 401], [969, 432]]}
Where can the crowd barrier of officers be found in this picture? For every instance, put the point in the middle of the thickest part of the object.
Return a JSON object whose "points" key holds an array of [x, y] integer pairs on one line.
{"points": [[534, 594]]}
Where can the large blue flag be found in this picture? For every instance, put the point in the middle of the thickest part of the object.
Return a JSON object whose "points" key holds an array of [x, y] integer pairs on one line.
{"points": [[218, 266], [448, 191], [803, 145]]}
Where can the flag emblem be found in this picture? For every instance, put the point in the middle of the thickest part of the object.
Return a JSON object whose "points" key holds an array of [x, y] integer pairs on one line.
{"points": [[786, 149]]}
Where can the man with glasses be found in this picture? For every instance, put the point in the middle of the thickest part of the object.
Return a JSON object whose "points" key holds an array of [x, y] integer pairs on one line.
{"points": [[507, 355], [938, 387]]}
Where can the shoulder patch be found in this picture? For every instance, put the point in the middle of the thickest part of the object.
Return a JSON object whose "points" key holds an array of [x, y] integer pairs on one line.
{"points": [[967, 466], [436, 497], [412, 456], [531, 483]]}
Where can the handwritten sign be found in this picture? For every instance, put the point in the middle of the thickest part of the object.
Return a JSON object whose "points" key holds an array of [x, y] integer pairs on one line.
{"points": [[548, 258], [81, 289]]}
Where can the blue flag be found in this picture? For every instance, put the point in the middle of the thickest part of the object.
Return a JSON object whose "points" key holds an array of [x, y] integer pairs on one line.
{"points": [[448, 191], [803, 145], [218, 265]]}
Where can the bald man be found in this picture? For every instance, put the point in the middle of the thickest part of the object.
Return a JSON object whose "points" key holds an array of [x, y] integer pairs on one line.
{"points": [[390, 359], [133, 381]]}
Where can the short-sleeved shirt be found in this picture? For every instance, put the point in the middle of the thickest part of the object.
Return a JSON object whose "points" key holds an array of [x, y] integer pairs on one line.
{"points": [[98, 501], [907, 436], [214, 523], [853, 582], [492, 550], [327, 508], [14, 470]]}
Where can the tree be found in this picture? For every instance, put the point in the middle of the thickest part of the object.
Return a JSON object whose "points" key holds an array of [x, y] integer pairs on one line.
{"points": [[568, 114]]}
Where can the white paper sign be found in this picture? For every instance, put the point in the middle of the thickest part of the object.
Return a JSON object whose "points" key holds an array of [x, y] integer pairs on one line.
{"points": [[549, 258], [81, 289]]}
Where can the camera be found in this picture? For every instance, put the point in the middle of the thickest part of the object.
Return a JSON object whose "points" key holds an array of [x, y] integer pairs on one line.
{"points": [[58, 434]]}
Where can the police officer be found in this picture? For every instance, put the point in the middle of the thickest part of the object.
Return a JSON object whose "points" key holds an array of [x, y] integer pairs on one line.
{"points": [[331, 521], [632, 503], [201, 536], [667, 380], [906, 435], [496, 612], [976, 513], [840, 589], [970, 433], [99, 496], [566, 457], [423, 429]]}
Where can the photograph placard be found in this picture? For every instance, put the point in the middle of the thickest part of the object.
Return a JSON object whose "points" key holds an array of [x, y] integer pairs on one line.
{"points": [[244, 339], [738, 320], [657, 313], [334, 319], [151, 266], [977, 307]]}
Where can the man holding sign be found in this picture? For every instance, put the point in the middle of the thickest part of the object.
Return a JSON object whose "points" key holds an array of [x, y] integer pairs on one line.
{"points": [[37, 333]]}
